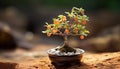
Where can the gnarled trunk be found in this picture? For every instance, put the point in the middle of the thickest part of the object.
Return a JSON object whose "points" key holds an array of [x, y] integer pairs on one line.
{"points": [[66, 47]]}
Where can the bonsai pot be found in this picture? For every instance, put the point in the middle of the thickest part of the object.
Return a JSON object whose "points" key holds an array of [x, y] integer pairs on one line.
{"points": [[62, 58]]}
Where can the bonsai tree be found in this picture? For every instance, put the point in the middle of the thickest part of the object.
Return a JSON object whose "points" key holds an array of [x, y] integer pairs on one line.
{"points": [[71, 24]]}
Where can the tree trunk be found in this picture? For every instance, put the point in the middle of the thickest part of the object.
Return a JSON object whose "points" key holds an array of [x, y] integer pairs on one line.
{"points": [[66, 40], [66, 47]]}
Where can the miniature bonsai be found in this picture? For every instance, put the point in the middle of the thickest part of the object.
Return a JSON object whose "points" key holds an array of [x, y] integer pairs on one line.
{"points": [[71, 24]]}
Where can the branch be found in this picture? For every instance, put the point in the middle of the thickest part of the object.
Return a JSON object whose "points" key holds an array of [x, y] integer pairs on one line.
{"points": [[61, 34]]}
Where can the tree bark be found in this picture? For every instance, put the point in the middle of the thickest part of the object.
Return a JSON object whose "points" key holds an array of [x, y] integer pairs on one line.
{"points": [[65, 40]]}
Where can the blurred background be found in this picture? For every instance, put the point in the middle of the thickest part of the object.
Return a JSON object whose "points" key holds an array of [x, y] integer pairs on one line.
{"points": [[21, 23]]}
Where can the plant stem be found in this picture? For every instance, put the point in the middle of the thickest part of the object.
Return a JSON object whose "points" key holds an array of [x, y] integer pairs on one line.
{"points": [[65, 40], [66, 48]]}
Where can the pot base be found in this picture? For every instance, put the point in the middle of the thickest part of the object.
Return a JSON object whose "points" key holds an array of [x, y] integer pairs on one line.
{"points": [[66, 63]]}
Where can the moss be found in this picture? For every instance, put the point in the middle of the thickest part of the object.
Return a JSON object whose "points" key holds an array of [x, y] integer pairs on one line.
{"points": [[66, 49]]}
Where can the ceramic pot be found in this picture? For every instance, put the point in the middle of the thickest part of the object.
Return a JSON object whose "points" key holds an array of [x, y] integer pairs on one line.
{"points": [[65, 59]]}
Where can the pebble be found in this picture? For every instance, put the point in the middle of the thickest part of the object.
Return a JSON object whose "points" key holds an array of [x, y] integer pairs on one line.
{"points": [[57, 52]]}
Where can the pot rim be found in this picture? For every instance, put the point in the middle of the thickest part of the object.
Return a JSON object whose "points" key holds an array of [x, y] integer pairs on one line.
{"points": [[80, 52]]}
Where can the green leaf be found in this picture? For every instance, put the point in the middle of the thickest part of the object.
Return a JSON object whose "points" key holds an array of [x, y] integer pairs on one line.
{"points": [[85, 17], [44, 32], [79, 26], [60, 16], [47, 31], [83, 33], [86, 31], [82, 27], [54, 19], [67, 13], [81, 9], [46, 23]]}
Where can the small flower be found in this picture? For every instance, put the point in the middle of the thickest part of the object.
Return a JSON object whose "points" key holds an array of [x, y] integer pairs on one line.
{"points": [[64, 18], [76, 30], [82, 12], [76, 19], [67, 31], [56, 21], [55, 31], [82, 37], [48, 34], [48, 27], [60, 27], [84, 22]]}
